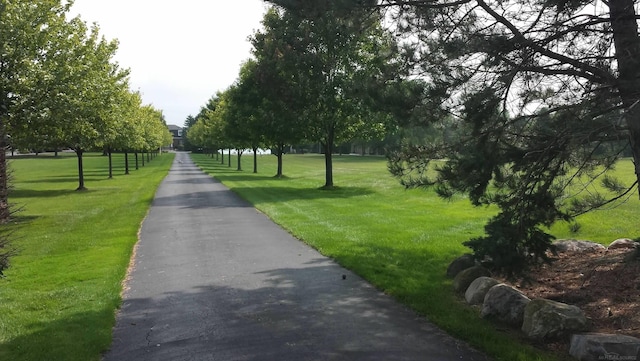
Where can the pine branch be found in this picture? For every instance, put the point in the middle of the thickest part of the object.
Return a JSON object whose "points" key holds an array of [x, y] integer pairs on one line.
{"points": [[609, 201]]}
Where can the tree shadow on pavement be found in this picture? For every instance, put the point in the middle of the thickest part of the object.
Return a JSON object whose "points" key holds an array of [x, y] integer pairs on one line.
{"points": [[298, 313]]}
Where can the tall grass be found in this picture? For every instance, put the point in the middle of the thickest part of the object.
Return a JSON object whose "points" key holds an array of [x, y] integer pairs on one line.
{"points": [[59, 296], [400, 240]]}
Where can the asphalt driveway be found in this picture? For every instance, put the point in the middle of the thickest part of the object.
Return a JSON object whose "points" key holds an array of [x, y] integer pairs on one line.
{"points": [[214, 279]]}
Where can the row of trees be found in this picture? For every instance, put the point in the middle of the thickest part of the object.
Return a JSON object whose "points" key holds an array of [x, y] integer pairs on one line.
{"points": [[533, 102], [326, 76], [60, 88]]}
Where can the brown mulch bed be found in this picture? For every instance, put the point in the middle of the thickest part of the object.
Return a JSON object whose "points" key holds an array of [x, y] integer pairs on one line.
{"points": [[605, 284]]}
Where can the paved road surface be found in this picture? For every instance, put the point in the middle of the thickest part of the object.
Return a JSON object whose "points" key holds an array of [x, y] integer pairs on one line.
{"points": [[214, 279]]}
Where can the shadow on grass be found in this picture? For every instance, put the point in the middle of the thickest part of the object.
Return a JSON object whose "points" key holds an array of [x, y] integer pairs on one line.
{"points": [[233, 175], [272, 193], [357, 158], [236, 176], [32, 193], [221, 197], [90, 176], [284, 194], [52, 179], [21, 220], [48, 156], [78, 337]]}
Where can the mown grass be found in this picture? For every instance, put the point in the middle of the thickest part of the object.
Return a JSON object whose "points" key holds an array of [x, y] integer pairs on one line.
{"points": [[612, 221], [400, 240], [59, 296]]}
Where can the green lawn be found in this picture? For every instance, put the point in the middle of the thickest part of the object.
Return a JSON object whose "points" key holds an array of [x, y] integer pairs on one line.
{"points": [[58, 299], [400, 240]]}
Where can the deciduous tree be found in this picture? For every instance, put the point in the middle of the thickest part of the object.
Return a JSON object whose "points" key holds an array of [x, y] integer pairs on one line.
{"points": [[208, 131], [244, 113], [330, 58], [28, 34], [280, 88], [80, 87]]}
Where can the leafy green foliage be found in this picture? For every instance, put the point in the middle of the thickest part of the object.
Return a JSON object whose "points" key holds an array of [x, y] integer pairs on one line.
{"points": [[327, 62], [277, 77], [207, 129], [246, 112]]}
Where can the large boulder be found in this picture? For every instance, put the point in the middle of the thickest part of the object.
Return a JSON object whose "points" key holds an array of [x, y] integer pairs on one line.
{"points": [[478, 289], [623, 243], [464, 278], [547, 319], [598, 346], [572, 245], [460, 264], [505, 304]]}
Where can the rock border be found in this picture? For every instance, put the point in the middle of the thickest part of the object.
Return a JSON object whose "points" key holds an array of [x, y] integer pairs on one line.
{"points": [[542, 319]]}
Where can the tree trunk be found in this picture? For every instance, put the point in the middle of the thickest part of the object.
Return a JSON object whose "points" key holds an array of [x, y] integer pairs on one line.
{"points": [[229, 157], [110, 163], [222, 160], [328, 159], [5, 212], [81, 186], [627, 44], [142, 158], [136, 155], [126, 162], [328, 164], [279, 154], [239, 156], [255, 159]]}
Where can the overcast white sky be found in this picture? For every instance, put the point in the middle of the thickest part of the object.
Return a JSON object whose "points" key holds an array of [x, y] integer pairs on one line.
{"points": [[180, 52]]}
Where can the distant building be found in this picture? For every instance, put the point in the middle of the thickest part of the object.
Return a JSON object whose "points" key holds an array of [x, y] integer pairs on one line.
{"points": [[178, 141]]}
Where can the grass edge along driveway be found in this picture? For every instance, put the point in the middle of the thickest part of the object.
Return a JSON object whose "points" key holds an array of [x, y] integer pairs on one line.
{"points": [[59, 297]]}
